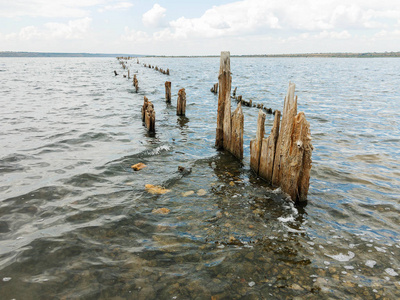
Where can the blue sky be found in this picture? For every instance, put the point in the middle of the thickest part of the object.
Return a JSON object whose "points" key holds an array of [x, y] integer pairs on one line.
{"points": [[205, 27]]}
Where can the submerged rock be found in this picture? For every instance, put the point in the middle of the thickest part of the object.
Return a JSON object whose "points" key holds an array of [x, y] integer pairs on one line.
{"points": [[201, 192], [138, 166], [161, 211], [188, 193], [155, 189]]}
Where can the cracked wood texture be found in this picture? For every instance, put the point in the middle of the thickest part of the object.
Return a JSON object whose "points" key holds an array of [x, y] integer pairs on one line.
{"points": [[284, 157], [230, 126]]}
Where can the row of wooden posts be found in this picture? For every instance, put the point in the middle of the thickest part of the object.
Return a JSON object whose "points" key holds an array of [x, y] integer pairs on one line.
{"points": [[148, 113], [165, 72], [283, 158], [240, 99]]}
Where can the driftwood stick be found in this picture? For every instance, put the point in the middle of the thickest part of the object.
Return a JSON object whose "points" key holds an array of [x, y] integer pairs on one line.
{"points": [[168, 91], [181, 103]]}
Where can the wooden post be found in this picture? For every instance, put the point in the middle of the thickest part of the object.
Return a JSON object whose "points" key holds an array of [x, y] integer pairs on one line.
{"points": [[181, 103], [268, 148], [224, 79], [255, 145], [129, 77], [148, 115], [229, 133], [237, 128], [135, 83], [214, 89], [168, 91], [285, 158], [283, 144]]}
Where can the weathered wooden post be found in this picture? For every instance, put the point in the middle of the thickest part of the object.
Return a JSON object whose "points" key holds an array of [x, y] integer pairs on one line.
{"points": [[148, 115], [135, 83], [285, 156], [168, 91], [229, 132], [255, 145], [268, 148], [214, 89], [129, 76], [181, 103], [167, 72], [224, 79], [236, 143]]}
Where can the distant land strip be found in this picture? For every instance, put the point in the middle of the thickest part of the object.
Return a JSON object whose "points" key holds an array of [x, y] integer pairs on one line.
{"points": [[338, 54], [55, 54]]}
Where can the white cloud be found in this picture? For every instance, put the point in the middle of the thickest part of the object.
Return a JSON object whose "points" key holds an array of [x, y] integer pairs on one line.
{"points": [[136, 36], [74, 29], [155, 17], [47, 8], [117, 6]]}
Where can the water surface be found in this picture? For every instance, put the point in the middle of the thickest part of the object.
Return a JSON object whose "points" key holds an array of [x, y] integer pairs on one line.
{"points": [[77, 222]]}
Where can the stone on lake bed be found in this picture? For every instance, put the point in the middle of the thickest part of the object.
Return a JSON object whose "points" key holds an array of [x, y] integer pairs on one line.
{"points": [[155, 189], [161, 211], [188, 193], [138, 166], [201, 192]]}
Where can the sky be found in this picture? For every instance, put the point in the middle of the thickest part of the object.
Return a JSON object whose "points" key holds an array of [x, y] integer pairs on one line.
{"points": [[186, 27]]}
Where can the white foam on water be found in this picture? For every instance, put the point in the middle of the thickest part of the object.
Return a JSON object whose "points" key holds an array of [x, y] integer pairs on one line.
{"points": [[5, 279], [342, 257], [370, 263], [391, 272], [286, 219], [158, 150], [380, 249]]}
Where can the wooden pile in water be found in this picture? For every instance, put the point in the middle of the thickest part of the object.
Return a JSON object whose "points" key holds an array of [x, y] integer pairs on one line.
{"points": [[148, 115], [284, 157], [214, 89], [168, 91], [181, 103], [135, 83], [229, 133]]}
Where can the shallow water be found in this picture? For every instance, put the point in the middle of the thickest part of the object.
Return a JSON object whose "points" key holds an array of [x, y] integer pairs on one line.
{"points": [[77, 222]]}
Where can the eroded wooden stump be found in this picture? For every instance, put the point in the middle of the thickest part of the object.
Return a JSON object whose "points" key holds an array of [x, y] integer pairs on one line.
{"points": [[181, 103], [168, 91], [148, 115], [135, 83], [229, 132], [285, 155]]}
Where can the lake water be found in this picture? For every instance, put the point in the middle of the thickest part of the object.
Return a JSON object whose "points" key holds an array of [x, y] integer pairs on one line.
{"points": [[77, 222]]}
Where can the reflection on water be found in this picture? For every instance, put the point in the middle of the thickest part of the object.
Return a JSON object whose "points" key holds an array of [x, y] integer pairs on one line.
{"points": [[77, 222]]}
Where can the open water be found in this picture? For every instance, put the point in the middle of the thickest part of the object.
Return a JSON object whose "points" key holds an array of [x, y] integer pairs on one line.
{"points": [[76, 222]]}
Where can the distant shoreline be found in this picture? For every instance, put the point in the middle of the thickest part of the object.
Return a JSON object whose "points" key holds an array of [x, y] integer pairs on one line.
{"points": [[323, 55]]}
